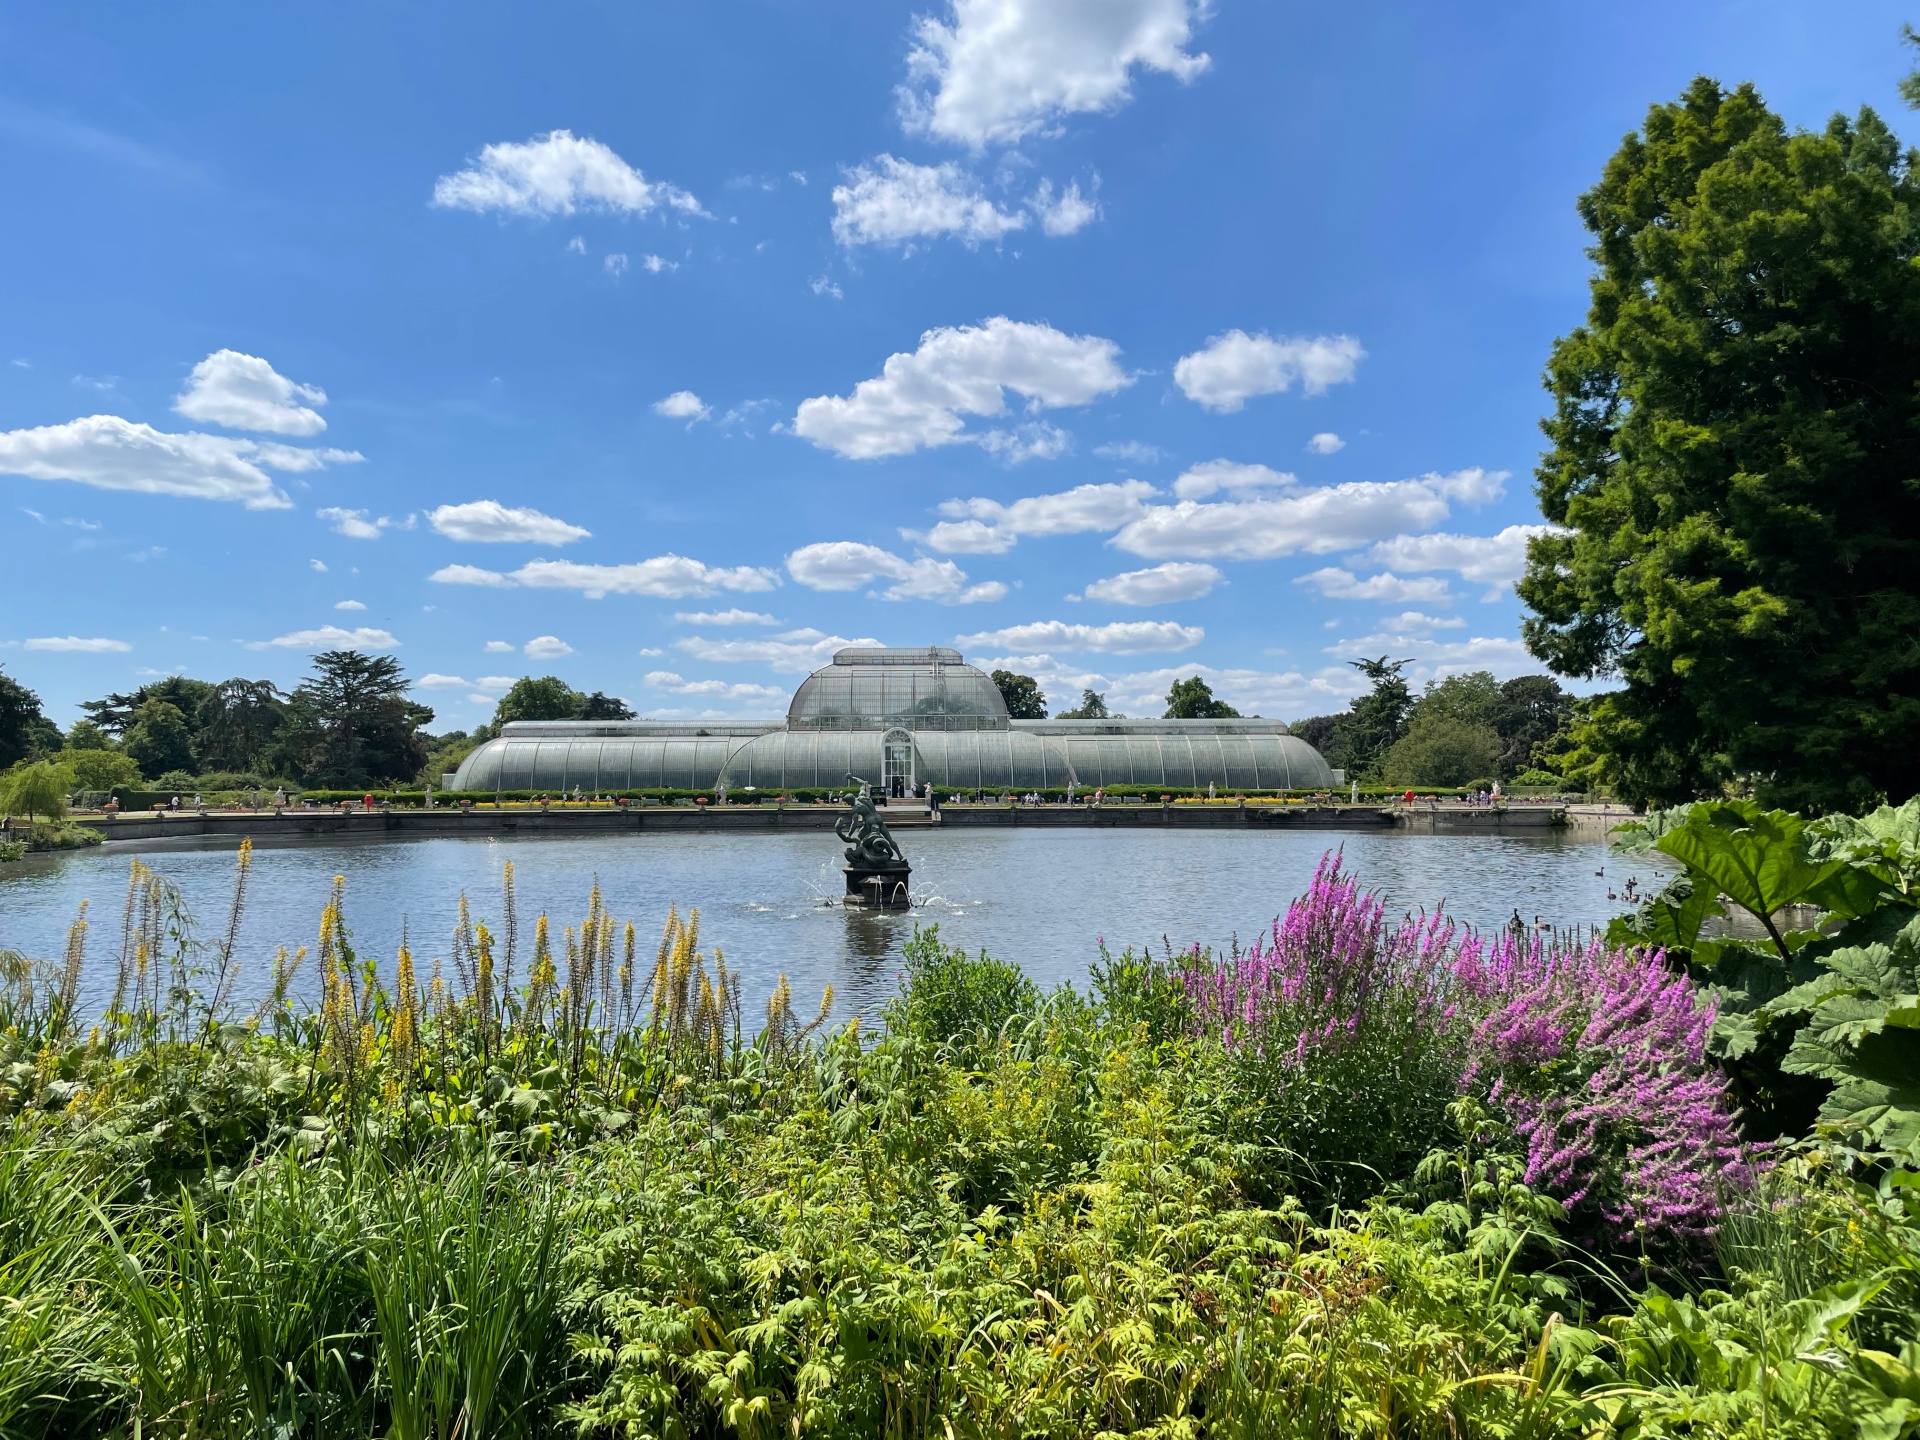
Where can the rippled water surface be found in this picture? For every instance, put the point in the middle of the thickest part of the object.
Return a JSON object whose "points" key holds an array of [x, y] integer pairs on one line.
{"points": [[1042, 898]]}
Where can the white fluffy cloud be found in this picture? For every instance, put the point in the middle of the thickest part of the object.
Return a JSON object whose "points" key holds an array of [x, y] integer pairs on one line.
{"points": [[1211, 476], [682, 405], [488, 521], [713, 689], [1338, 584], [794, 652], [348, 605], [437, 681], [360, 524], [546, 647], [1493, 560], [1326, 443], [667, 577], [77, 644], [1122, 637], [989, 527], [848, 565], [556, 174], [995, 70], [1230, 368], [1160, 585], [890, 201], [331, 637], [1067, 213], [920, 398], [244, 392], [497, 647], [1332, 517], [114, 454], [728, 617]]}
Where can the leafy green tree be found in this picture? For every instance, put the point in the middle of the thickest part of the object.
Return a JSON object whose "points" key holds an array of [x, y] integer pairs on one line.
{"points": [[159, 739], [548, 698], [1733, 452], [34, 790], [1442, 750], [1472, 698], [602, 706], [87, 735], [1193, 700], [350, 723], [1022, 694], [1327, 734], [1092, 706], [99, 770], [1531, 715], [24, 731], [239, 721], [1378, 718]]}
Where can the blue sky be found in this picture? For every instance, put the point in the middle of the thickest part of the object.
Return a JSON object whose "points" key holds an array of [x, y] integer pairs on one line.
{"points": [[666, 347]]}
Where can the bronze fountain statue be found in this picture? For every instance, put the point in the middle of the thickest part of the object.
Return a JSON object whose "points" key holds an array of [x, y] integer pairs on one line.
{"points": [[877, 872]]}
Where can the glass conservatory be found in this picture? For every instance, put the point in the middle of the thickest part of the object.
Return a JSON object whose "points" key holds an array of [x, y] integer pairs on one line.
{"points": [[900, 718]]}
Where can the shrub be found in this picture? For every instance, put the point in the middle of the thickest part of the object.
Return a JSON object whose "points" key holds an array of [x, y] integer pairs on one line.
{"points": [[1337, 1035], [947, 996], [1598, 1055]]}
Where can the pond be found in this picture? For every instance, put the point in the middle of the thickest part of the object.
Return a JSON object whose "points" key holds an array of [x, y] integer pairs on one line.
{"points": [[1042, 898]]}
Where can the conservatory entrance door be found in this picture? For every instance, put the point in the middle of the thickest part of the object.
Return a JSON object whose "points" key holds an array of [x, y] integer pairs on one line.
{"points": [[897, 764]]}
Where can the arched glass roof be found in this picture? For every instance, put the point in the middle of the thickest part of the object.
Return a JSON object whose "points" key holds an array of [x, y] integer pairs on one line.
{"points": [[958, 736], [914, 689]]}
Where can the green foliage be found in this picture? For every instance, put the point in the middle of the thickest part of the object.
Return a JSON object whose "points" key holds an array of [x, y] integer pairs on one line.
{"points": [[1192, 699], [1816, 1016], [948, 997], [1441, 750], [1022, 694], [349, 723], [602, 706], [1378, 718], [238, 722], [99, 769], [36, 790], [87, 735], [159, 739], [1328, 735], [1863, 1033], [547, 698], [1092, 706], [1738, 402], [25, 733], [587, 1203]]}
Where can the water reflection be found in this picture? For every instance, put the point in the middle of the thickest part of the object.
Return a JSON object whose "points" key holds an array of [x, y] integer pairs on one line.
{"points": [[1042, 898]]}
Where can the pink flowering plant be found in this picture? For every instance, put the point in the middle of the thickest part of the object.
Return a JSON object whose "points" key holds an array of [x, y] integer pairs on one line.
{"points": [[1338, 1035], [1346, 1038], [1597, 1056]]}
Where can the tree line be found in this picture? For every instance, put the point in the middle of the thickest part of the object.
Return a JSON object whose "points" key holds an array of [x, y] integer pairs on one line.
{"points": [[350, 723], [1461, 731]]}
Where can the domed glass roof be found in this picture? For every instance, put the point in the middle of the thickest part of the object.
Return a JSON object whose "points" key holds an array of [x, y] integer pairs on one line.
{"points": [[913, 689]]}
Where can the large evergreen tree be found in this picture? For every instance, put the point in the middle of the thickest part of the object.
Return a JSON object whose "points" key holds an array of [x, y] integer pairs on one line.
{"points": [[1378, 718], [350, 723], [238, 723], [1736, 459]]}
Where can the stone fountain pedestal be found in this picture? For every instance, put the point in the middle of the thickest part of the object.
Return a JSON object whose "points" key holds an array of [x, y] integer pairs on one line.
{"points": [[877, 887]]}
